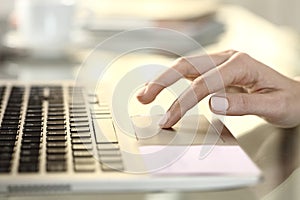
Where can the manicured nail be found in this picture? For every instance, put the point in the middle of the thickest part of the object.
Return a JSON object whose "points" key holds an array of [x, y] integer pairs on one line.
{"points": [[164, 119], [219, 104]]}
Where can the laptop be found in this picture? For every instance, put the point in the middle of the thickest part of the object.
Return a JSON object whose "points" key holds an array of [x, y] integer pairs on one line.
{"points": [[57, 137]]}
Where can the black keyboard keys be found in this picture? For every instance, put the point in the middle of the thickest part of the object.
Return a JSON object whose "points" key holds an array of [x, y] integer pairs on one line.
{"points": [[83, 160], [56, 132], [32, 132], [9, 126]]}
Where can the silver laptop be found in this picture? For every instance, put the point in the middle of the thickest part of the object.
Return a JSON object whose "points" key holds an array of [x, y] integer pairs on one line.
{"points": [[58, 138]]}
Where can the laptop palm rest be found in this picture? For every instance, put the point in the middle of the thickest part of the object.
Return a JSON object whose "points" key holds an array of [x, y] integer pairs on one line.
{"points": [[190, 130], [192, 146]]}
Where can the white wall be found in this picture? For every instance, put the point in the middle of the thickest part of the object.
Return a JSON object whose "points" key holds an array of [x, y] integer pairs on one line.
{"points": [[282, 12]]}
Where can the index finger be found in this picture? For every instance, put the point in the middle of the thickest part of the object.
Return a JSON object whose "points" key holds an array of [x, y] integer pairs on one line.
{"points": [[183, 67]]}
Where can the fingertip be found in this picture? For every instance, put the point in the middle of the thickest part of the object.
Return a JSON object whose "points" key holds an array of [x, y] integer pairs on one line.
{"points": [[169, 120], [148, 93], [144, 99], [141, 92], [142, 95]]}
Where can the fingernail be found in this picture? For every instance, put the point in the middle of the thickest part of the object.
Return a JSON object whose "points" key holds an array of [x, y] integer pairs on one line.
{"points": [[141, 92], [219, 104], [164, 119]]}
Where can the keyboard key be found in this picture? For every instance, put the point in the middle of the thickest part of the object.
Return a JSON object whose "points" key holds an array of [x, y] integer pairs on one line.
{"points": [[74, 112], [7, 137], [72, 116], [56, 128], [82, 153], [32, 134], [9, 132], [32, 140], [12, 113], [84, 167], [76, 103], [10, 127], [56, 150], [56, 157], [8, 117], [33, 124], [61, 109], [56, 106], [34, 107], [35, 116], [4, 169], [54, 166], [34, 112], [81, 140], [34, 120], [10, 123], [57, 133], [80, 129], [80, 125], [7, 149], [79, 120], [6, 156], [82, 146], [56, 138], [56, 118], [7, 143], [56, 114], [29, 159], [104, 131], [32, 129], [57, 122], [30, 152], [74, 108], [56, 144], [81, 135], [84, 160], [28, 167], [5, 163], [27, 146]]}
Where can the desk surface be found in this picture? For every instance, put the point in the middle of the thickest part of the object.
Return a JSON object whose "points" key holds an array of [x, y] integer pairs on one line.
{"points": [[276, 151]]}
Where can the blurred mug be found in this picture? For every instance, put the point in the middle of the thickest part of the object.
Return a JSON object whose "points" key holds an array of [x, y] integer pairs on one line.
{"points": [[6, 7], [45, 25]]}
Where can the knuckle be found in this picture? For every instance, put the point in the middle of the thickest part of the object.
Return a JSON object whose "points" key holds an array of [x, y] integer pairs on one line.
{"points": [[241, 57], [199, 88], [198, 82], [180, 61], [238, 66], [230, 51], [180, 65]]}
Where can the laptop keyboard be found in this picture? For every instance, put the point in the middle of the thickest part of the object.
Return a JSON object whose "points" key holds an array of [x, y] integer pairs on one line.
{"points": [[59, 124]]}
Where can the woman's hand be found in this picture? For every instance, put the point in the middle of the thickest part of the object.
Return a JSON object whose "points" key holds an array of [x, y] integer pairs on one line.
{"points": [[263, 91]]}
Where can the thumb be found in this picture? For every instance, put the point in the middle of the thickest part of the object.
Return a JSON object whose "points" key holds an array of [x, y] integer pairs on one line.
{"points": [[241, 104]]}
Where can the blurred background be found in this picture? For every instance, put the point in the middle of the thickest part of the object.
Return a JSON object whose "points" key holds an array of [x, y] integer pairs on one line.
{"points": [[283, 13], [58, 34]]}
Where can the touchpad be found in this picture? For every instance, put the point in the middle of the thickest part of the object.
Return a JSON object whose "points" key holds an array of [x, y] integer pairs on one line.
{"points": [[193, 129]]}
